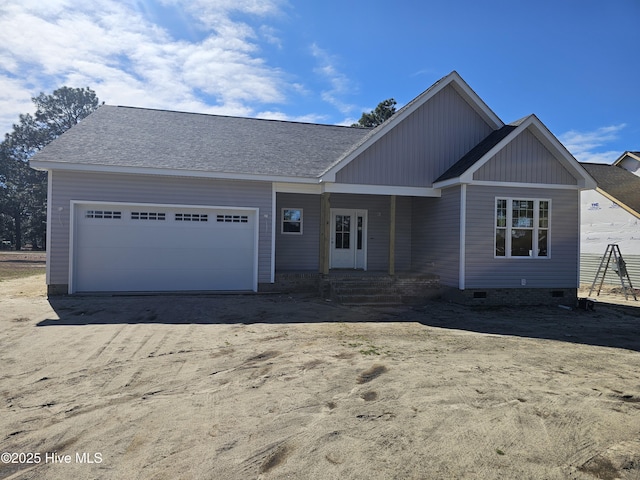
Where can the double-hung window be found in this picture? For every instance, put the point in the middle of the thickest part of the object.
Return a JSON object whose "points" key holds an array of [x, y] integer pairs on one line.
{"points": [[522, 228], [291, 221]]}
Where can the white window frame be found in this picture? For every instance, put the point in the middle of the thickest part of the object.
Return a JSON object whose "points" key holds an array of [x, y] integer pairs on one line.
{"points": [[282, 221], [509, 227]]}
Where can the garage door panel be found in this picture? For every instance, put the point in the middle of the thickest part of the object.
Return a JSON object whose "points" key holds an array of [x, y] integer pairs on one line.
{"points": [[138, 252]]}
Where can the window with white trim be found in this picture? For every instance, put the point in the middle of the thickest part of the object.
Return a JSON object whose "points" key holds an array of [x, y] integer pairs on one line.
{"points": [[522, 228], [291, 221]]}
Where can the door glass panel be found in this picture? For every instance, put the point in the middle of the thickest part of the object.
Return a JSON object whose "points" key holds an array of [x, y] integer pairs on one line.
{"points": [[343, 230], [359, 241]]}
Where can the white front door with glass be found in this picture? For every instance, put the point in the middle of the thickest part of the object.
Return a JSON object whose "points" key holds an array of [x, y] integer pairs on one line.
{"points": [[348, 238]]}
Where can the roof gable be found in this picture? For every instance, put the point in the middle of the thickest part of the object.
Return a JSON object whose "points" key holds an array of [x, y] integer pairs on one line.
{"points": [[540, 145], [421, 147], [454, 80], [629, 161]]}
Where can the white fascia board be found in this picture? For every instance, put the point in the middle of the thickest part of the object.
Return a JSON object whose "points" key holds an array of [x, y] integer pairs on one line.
{"points": [[537, 128], [354, 188], [169, 172], [545, 186], [380, 190], [452, 79], [283, 187], [488, 183], [618, 202], [624, 156], [467, 176], [475, 101]]}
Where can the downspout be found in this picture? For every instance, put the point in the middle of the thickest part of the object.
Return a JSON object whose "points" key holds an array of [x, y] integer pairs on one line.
{"points": [[463, 234]]}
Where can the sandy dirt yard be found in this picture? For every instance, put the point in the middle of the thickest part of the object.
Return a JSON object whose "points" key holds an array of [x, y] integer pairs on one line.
{"points": [[279, 386]]}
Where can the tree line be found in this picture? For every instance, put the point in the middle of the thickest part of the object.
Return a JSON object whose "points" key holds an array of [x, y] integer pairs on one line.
{"points": [[23, 191]]}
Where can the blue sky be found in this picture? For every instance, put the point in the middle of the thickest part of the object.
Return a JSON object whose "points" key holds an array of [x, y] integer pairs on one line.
{"points": [[574, 63]]}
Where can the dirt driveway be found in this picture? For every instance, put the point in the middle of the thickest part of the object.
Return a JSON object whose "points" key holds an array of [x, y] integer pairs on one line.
{"points": [[241, 387]]}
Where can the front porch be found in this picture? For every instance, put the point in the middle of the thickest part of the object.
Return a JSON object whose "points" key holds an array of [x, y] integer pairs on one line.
{"points": [[354, 248]]}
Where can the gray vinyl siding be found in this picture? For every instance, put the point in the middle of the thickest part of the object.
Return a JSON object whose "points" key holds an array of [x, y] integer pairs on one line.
{"points": [[436, 236], [298, 252], [525, 159], [301, 252], [560, 270], [404, 222], [590, 262], [422, 147], [102, 187]]}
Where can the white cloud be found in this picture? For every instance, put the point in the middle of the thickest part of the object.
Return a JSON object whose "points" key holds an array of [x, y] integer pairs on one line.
{"points": [[274, 115], [114, 48], [587, 146], [339, 84]]}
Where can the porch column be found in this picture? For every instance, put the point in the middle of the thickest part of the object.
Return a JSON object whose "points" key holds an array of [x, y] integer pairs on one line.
{"points": [[325, 232], [392, 236]]}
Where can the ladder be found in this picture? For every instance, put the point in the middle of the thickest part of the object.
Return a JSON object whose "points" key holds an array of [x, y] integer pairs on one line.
{"points": [[619, 266]]}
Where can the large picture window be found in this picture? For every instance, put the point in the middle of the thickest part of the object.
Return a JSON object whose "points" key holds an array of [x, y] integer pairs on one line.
{"points": [[292, 221], [522, 228]]}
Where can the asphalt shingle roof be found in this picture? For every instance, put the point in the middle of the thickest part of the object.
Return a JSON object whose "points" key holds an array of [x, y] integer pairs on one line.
{"points": [[476, 153], [145, 138], [617, 182]]}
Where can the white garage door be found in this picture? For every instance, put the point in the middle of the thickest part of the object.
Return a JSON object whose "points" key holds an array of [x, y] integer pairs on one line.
{"points": [[136, 248]]}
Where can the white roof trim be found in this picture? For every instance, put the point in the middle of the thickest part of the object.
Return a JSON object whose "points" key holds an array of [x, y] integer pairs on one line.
{"points": [[618, 202], [538, 129], [625, 155], [167, 172], [546, 186], [357, 189], [453, 79], [380, 190]]}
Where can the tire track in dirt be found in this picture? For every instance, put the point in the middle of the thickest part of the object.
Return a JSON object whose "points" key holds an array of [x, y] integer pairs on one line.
{"points": [[96, 355]]}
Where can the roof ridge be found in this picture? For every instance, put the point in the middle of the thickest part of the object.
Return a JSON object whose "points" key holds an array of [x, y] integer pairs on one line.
{"points": [[181, 112]]}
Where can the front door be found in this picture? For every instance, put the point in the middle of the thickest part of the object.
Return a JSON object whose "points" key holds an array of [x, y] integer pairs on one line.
{"points": [[348, 238]]}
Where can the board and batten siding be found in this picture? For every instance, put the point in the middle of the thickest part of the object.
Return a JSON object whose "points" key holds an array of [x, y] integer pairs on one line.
{"points": [[103, 187], [483, 270], [525, 159], [422, 147], [436, 236]]}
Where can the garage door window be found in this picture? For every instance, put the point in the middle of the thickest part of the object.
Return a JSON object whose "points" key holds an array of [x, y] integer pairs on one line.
{"points": [[232, 218], [147, 216], [191, 217], [103, 214]]}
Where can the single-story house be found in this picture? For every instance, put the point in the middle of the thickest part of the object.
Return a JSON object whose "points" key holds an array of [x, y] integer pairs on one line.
{"points": [[145, 200], [611, 214]]}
